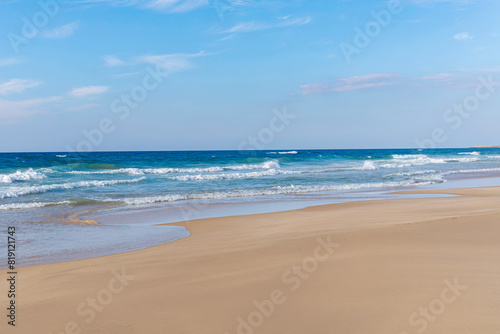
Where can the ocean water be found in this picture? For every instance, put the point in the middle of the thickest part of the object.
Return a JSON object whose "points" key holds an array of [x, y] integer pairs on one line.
{"points": [[42, 193]]}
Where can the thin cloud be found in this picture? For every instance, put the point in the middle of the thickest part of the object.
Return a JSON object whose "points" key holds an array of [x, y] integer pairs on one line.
{"points": [[171, 6], [9, 61], [112, 61], [171, 62], [61, 32], [10, 110], [83, 107], [463, 36], [352, 83], [17, 86], [167, 62], [255, 26], [433, 2], [461, 80], [88, 91], [445, 77]]}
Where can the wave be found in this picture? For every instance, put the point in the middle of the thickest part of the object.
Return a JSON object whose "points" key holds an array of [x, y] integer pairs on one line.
{"points": [[469, 171], [214, 169], [278, 190], [27, 175], [410, 160], [61, 156], [31, 205], [413, 173], [471, 153], [289, 152], [232, 176], [21, 191], [368, 165]]}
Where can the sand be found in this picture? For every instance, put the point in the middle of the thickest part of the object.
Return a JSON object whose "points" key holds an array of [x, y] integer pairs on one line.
{"points": [[427, 265]]}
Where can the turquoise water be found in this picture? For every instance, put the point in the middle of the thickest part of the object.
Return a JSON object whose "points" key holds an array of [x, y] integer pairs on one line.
{"points": [[40, 191]]}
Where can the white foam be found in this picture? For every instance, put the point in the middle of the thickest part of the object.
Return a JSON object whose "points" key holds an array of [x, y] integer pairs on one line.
{"points": [[413, 173], [21, 191], [471, 153], [26, 175], [368, 165], [279, 190], [469, 171], [31, 205], [228, 176], [214, 169], [289, 152], [409, 160]]}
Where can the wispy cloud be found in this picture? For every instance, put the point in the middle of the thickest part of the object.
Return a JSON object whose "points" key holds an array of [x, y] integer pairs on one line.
{"points": [[460, 80], [433, 2], [88, 91], [463, 36], [83, 107], [170, 62], [11, 110], [256, 26], [445, 77], [171, 6], [112, 61], [9, 61], [167, 62], [17, 86], [352, 83], [61, 32]]}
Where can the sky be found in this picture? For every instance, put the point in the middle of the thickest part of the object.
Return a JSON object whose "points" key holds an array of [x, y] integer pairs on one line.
{"points": [[101, 75]]}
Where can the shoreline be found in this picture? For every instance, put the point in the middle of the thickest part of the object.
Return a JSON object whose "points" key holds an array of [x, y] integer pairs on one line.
{"points": [[393, 257], [151, 218]]}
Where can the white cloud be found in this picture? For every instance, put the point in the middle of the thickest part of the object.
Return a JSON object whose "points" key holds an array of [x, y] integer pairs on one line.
{"points": [[168, 62], [254, 26], [61, 32], [171, 6], [112, 61], [463, 36], [176, 6], [17, 86], [9, 61], [88, 91], [171, 62]]}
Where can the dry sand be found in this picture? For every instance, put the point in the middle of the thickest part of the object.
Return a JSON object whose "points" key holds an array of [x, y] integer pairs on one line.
{"points": [[427, 265]]}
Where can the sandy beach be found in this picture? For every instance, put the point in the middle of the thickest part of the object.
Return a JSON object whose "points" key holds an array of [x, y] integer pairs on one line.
{"points": [[427, 265]]}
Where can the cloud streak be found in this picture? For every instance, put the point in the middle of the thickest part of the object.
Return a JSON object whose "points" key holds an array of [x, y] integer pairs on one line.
{"points": [[14, 86], [61, 32], [255, 26], [463, 36], [352, 83], [168, 62], [9, 61], [170, 6], [88, 91], [10, 110]]}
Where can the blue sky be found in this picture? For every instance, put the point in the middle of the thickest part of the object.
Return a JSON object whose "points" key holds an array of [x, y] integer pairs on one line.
{"points": [[226, 66]]}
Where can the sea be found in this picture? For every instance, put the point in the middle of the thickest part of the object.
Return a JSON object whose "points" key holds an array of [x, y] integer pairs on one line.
{"points": [[53, 199]]}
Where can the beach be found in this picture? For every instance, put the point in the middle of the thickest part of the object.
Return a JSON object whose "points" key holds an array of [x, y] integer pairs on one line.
{"points": [[420, 265]]}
